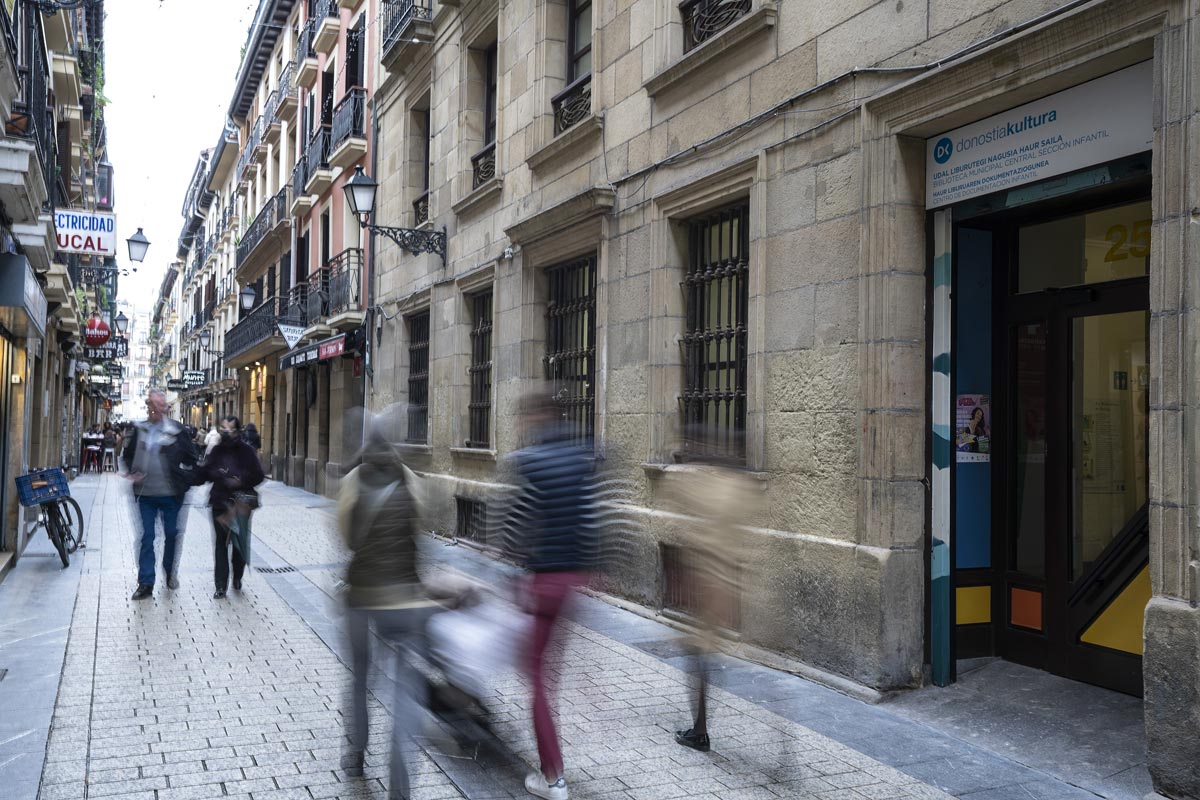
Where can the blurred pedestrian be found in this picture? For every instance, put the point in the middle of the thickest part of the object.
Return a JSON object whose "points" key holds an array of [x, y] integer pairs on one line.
{"points": [[252, 437], [718, 495], [234, 470], [553, 533], [160, 461], [377, 517]]}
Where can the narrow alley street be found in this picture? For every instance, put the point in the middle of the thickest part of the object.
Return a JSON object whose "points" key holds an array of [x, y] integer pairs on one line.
{"points": [[186, 697]]}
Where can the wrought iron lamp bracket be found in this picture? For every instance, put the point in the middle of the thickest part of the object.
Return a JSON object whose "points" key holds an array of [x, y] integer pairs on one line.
{"points": [[413, 240]]}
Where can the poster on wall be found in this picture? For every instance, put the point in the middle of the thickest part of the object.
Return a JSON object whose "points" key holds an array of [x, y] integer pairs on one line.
{"points": [[973, 428]]}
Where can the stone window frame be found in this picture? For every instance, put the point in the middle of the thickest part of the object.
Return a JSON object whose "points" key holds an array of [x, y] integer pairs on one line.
{"points": [[466, 288], [479, 36], [674, 66], [669, 216], [416, 170], [543, 146]]}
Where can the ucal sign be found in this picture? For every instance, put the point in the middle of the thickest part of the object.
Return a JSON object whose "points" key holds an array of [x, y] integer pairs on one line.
{"points": [[92, 233]]}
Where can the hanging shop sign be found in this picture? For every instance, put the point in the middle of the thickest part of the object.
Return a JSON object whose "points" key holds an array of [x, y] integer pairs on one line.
{"points": [[193, 378], [113, 368], [319, 351], [176, 384], [92, 233], [290, 333], [97, 332], [1101, 120], [116, 348]]}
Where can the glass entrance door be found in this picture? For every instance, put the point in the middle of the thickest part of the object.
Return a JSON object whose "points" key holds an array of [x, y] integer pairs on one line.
{"points": [[1074, 483]]}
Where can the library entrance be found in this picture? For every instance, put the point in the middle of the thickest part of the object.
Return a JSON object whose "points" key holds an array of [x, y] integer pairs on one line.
{"points": [[1050, 430]]}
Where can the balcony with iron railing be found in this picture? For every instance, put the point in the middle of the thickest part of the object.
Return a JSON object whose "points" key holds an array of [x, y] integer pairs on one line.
{"points": [[302, 201], [276, 213], [345, 279], [704, 19], [317, 172], [406, 24], [317, 304], [306, 57], [483, 165], [348, 141], [325, 15], [295, 311], [573, 104], [32, 120], [287, 94], [207, 312], [272, 127], [255, 335]]}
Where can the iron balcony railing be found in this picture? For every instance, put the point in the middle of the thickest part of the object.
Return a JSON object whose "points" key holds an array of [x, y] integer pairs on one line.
{"points": [[483, 166], [286, 86], [421, 209], [345, 275], [268, 114], [316, 155], [277, 209], [294, 312], [348, 117], [317, 308], [209, 308], [397, 14], [257, 326], [304, 45], [704, 19], [299, 177], [33, 117], [572, 104], [318, 9], [247, 154]]}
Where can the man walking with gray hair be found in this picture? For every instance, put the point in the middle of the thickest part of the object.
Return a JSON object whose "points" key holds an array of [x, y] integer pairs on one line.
{"points": [[160, 461]]}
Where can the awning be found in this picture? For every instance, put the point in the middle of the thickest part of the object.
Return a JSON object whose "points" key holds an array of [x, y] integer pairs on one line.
{"points": [[22, 304], [317, 351]]}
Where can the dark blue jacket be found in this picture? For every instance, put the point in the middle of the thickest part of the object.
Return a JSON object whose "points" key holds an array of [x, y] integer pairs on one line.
{"points": [[553, 520]]}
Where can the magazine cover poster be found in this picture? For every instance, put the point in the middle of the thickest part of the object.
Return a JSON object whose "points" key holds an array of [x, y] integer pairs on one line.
{"points": [[973, 428]]}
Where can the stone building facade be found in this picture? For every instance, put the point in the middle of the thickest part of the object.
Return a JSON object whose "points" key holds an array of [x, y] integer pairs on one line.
{"points": [[714, 215]]}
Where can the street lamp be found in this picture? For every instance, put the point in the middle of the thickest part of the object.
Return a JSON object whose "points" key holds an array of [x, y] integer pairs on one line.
{"points": [[205, 338], [360, 196], [138, 245], [122, 323], [248, 297]]}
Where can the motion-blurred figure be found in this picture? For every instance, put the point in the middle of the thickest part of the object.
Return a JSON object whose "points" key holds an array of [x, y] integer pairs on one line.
{"points": [[377, 517], [552, 531], [719, 495]]}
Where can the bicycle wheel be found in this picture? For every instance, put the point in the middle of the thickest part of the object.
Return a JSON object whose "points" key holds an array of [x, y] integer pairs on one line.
{"points": [[72, 516], [54, 529]]}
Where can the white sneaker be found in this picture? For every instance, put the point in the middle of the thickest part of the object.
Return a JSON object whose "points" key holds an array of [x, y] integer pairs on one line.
{"points": [[537, 785]]}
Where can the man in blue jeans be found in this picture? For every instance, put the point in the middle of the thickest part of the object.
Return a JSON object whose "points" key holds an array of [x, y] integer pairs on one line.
{"points": [[160, 461]]}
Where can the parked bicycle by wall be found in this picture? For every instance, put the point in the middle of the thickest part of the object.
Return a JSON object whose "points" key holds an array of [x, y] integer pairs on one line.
{"points": [[59, 513]]}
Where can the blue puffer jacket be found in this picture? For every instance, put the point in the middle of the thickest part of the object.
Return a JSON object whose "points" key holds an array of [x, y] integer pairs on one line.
{"points": [[552, 525]]}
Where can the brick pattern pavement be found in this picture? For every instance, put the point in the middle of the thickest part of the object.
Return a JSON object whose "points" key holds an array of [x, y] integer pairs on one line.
{"points": [[185, 697]]}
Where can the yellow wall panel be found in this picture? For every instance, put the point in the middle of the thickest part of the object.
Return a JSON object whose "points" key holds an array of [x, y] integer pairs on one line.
{"points": [[972, 604], [1119, 627]]}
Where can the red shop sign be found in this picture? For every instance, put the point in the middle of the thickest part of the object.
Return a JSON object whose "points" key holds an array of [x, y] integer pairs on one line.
{"points": [[332, 348]]}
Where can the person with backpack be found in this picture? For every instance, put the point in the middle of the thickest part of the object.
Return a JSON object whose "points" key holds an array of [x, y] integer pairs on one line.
{"points": [[377, 515]]}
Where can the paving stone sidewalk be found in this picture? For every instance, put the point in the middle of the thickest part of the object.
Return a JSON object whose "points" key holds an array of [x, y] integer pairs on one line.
{"points": [[186, 697]]}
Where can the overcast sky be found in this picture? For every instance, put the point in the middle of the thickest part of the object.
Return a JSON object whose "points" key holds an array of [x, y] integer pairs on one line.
{"points": [[169, 73]]}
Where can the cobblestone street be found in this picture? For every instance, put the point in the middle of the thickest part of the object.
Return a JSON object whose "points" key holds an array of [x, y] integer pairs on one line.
{"points": [[185, 697]]}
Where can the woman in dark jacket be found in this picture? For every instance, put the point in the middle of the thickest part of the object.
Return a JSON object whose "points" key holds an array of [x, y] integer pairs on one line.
{"points": [[252, 437], [234, 470]]}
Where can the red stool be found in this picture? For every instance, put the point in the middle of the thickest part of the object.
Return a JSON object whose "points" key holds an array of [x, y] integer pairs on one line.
{"points": [[91, 457]]}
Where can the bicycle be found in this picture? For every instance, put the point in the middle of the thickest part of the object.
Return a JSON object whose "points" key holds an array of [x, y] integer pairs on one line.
{"points": [[59, 513]]}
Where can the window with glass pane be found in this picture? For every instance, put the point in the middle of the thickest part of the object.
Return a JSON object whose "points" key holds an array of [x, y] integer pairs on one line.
{"points": [[571, 344], [489, 111], [1094, 247], [714, 343], [480, 405], [418, 378], [579, 39]]}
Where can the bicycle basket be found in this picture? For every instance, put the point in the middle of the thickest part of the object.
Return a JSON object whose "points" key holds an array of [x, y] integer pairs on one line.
{"points": [[38, 487]]}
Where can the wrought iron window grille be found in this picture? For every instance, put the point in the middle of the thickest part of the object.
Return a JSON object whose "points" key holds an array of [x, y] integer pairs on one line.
{"points": [[572, 104], [471, 520], [483, 166], [479, 407], [714, 344], [571, 344], [418, 378], [421, 209], [704, 19]]}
